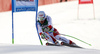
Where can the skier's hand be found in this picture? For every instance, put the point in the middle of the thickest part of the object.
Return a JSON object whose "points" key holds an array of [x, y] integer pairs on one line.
{"points": [[47, 29], [43, 36]]}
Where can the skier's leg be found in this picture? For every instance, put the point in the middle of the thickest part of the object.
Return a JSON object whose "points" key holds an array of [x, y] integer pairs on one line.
{"points": [[50, 39], [58, 37], [65, 40]]}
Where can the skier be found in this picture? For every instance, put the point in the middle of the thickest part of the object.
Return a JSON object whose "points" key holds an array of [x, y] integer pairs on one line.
{"points": [[48, 32]]}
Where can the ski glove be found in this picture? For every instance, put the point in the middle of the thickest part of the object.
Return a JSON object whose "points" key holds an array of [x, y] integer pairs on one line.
{"points": [[43, 36], [47, 29]]}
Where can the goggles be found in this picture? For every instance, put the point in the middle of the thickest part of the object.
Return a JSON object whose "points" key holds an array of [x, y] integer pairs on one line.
{"points": [[41, 18]]}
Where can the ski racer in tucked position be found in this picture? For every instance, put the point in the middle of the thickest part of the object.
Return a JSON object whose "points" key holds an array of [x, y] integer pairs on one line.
{"points": [[48, 32]]}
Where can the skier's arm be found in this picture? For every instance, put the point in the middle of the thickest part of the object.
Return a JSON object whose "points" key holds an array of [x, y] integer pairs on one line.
{"points": [[49, 21], [49, 24], [41, 33], [39, 29]]}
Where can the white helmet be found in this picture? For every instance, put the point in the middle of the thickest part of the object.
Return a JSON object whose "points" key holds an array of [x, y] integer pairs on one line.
{"points": [[41, 16]]}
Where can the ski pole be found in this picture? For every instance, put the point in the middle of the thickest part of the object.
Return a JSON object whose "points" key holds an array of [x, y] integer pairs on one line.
{"points": [[75, 38]]}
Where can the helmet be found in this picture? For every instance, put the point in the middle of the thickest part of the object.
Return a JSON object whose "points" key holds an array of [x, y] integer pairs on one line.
{"points": [[41, 16]]}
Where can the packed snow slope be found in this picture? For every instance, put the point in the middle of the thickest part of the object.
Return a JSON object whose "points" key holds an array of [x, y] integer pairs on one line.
{"points": [[37, 49], [64, 18]]}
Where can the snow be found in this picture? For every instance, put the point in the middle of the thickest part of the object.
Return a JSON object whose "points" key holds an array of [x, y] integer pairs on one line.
{"points": [[65, 19], [37, 49]]}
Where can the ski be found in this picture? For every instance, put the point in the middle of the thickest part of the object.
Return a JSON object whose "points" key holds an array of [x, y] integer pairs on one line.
{"points": [[50, 44], [65, 44], [62, 44]]}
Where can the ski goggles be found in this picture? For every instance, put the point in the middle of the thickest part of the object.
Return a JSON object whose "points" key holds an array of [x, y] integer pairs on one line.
{"points": [[41, 18]]}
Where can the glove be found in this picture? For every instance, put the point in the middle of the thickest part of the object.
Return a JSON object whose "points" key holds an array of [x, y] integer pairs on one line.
{"points": [[43, 36], [47, 29]]}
